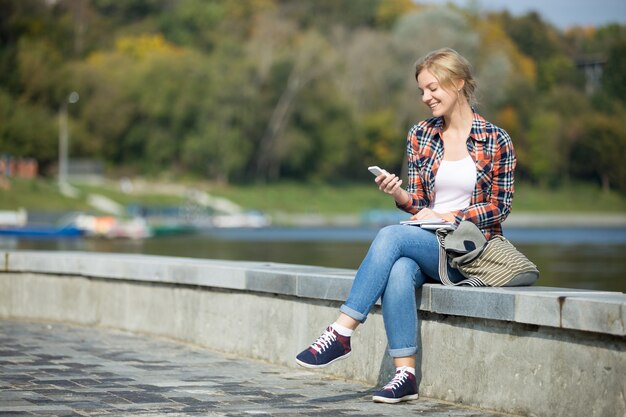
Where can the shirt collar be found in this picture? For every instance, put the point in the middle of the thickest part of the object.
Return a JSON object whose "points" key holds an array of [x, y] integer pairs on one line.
{"points": [[479, 127], [478, 131]]}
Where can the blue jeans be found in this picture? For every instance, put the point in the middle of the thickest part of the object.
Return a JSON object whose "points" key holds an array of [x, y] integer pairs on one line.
{"points": [[400, 259]]}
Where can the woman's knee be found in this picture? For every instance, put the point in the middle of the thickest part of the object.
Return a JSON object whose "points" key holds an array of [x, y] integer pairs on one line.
{"points": [[389, 233], [403, 274], [406, 273], [404, 266], [388, 236]]}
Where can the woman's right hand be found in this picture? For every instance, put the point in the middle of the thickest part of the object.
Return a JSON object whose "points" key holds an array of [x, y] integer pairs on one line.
{"points": [[391, 184]]}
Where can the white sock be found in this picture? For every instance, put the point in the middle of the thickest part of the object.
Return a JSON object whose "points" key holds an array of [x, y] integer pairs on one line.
{"points": [[406, 368], [342, 330]]}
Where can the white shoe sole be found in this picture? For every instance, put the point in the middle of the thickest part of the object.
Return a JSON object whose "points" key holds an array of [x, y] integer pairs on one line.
{"points": [[386, 400], [308, 365]]}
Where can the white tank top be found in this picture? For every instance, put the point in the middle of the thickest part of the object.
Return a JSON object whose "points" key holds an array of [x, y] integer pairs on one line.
{"points": [[454, 184]]}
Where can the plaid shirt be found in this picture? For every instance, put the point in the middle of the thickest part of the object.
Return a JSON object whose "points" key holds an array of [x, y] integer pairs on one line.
{"points": [[491, 149]]}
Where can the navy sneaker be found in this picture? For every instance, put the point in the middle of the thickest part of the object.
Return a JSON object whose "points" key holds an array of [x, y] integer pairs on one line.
{"points": [[403, 387], [328, 348]]}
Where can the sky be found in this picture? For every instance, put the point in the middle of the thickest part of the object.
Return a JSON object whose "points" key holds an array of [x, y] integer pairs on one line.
{"points": [[561, 13]]}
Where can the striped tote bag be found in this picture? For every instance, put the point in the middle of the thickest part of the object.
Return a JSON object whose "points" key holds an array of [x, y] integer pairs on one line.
{"points": [[493, 263]]}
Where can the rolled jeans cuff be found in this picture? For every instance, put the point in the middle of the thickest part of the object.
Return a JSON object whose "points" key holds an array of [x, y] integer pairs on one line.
{"points": [[360, 317], [401, 353]]}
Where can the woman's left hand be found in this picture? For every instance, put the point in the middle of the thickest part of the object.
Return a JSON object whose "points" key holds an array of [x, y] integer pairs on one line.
{"points": [[427, 214]]}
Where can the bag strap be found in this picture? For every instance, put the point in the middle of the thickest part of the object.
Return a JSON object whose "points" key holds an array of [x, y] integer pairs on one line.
{"points": [[443, 266]]}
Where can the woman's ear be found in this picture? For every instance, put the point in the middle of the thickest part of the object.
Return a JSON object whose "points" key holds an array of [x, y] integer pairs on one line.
{"points": [[459, 85]]}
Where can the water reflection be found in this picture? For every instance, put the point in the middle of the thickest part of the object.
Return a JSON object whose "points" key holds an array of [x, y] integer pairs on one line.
{"points": [[573, 258]]}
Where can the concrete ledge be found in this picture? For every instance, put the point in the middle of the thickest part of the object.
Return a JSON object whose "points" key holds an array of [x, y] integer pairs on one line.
{"points": [[530, 351], [593, 311]]}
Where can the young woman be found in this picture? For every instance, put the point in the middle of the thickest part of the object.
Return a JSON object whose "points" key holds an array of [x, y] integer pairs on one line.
{"points": [[461, 167]]}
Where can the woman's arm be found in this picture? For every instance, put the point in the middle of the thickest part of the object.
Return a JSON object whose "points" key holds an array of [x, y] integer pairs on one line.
{"points": [[414, 198]]}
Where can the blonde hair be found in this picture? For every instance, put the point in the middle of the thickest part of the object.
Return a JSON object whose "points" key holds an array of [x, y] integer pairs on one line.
{"points": [[448, 66]]}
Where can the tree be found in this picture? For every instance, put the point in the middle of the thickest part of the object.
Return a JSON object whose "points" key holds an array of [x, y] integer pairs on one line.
{"points": [[572, 106], [325, 15], [368, 74], [614, 74], [194, 23], [388, 11], [534, 37], [381, 140], [27, 131], [128, 11], [322, 136], [545, 154], [309, 58], [42, 74], [499, 66], [269, 89], [558, 70], [602, 152], [218, 143]]}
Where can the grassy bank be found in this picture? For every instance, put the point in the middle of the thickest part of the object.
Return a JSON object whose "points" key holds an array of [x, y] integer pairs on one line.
{"points": [[354, 198], [43, 195]]}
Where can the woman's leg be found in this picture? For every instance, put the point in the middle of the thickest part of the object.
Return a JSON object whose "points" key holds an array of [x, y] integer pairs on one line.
{"points": [[399, 309], [391, 244], [347, 321]]}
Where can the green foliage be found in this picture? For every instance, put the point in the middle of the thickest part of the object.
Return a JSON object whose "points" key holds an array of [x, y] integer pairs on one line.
{"points": [[25, 131], [558, 70], [194, 22], [128, 10], [544, 148], [614, 75], [268, 90], [325, 14], [605, 148], [379, 140], [320, 138], [596, 42], [41, 72], [532, 35]]}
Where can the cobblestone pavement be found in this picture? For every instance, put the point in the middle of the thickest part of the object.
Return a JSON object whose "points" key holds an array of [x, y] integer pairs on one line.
{"points": [[60, 370]]}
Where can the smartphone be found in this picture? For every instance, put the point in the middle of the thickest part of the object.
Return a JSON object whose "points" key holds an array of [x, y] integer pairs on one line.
{"points": [[376, 170]]}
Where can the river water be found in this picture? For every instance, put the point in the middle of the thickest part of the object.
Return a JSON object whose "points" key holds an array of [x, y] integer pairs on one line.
{"points": [[585, 258]]}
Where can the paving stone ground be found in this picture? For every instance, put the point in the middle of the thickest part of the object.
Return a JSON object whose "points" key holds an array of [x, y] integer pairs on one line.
{"points": [[62, 370]]}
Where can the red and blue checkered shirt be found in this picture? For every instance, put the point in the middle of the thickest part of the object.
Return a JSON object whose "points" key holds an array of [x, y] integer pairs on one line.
{"points": [[491, 149]]}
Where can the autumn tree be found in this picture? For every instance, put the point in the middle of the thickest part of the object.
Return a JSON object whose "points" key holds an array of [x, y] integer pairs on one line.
{"points": [[602, 152]]}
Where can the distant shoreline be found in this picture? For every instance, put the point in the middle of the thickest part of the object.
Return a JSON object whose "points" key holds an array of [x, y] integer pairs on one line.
{"points": [[384, 217], [566, 220], [521, 219]]}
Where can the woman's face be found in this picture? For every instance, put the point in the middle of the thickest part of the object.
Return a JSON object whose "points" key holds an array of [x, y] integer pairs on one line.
{"points": [[440, 100]]}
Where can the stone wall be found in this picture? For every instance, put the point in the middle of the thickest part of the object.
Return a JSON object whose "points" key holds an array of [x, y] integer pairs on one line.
{"points": [[531, 351]]}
